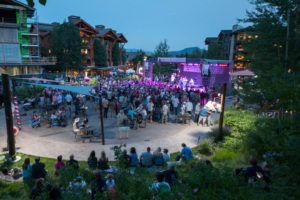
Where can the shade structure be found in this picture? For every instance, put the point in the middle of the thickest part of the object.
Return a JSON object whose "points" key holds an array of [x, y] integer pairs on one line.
{"points": [[85, 90], [242, 73], [130, 71]]}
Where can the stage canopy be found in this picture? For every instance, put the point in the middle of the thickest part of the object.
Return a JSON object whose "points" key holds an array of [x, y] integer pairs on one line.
{"points": [[242, 73]]}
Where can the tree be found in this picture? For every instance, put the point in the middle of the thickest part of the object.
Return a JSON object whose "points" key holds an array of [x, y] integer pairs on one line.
{"points": [[66, 46], [139, 58], [162, 49], [124, 58], [31, 2], [116, 54], [100, 54], [214, 51]]}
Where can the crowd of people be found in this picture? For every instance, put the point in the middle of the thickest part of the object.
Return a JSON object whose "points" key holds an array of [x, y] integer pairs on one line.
{"points": [[105, 180]]}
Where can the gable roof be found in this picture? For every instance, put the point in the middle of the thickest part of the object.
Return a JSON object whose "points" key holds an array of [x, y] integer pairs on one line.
{"points": [[105, 32], [209, 40], [86, 24], [121, 38]]}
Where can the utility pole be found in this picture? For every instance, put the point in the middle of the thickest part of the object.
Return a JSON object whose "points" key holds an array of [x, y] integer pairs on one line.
{"points": [[101, 120], [222, 110], [8, 116]]}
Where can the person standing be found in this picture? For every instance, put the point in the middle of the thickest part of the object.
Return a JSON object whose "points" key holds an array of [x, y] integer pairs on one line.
{"points": [[203, 117], [150, 106], [175, 103], [165, 109], [105, 106], [197, 112]]}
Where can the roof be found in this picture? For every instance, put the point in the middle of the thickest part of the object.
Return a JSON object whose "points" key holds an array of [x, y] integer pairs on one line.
{"points": [[47, 27], [30, 11], [249, 28], [87, 24], [209, 40], [122, 38], [103, 32]]}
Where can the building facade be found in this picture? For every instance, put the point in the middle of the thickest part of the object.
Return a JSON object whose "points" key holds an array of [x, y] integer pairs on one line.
{"points": [[19, 48], [88, 34]]}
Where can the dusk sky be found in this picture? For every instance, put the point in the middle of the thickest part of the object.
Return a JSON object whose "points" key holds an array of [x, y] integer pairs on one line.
{"points": [[184, 23]]}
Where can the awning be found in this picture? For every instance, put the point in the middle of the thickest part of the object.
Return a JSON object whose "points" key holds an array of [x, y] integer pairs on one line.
{"points": [[242, 73]]}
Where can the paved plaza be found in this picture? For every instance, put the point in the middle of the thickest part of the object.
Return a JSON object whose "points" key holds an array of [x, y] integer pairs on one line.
{"points": [[51, 142]]}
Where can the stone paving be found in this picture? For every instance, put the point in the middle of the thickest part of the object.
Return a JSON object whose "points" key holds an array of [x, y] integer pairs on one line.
{"points": [[51, 142]]}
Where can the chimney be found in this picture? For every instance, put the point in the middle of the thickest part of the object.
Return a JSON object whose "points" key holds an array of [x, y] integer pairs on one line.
{"points": [[73, 18], [100, 27]]}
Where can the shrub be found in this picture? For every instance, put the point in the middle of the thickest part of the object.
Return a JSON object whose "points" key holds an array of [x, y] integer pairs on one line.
{"points": [[215, 135], [223, 155], [27, 92], [205, 147]]}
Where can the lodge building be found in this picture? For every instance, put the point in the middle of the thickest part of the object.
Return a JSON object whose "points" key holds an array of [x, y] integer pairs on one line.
{"points": [[88, 33]]}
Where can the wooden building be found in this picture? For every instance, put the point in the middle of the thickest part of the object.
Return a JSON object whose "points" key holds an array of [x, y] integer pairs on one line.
{"points": [[88, 33]]}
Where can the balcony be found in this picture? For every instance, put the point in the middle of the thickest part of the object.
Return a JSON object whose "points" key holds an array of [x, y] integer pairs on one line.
{"points": [[27, 60]]}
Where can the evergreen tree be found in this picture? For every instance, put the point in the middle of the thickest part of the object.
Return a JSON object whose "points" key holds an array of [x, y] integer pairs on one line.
{"points": [[116, 54], [162, 49], [100, 54], [66, 46], [124, 57]]}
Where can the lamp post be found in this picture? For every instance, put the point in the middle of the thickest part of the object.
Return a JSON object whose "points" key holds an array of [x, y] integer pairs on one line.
{"points": [[101, 119]]}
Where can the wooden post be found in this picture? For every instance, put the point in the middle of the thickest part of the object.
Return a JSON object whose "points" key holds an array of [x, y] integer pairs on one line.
{"points": [[101, 120], [222, 110], [8, 116]]}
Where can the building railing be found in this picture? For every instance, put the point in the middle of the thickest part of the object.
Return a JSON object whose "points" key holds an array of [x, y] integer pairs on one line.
{"points": [[28, 60]]}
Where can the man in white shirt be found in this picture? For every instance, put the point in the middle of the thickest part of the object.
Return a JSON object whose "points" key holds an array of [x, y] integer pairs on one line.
{"points": [[189, 107], [150, 110], [165, 109]]}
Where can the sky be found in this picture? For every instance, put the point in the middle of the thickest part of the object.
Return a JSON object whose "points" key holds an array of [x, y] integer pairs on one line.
{"points": [[184, 23]]}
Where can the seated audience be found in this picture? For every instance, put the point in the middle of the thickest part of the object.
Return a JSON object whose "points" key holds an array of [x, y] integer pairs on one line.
{"points": [[98, 184], [92, 160], [73, 162], [146, 158], [133, 157], [103, 162], [26, 169], [186, 153], [110, 181], [160, 186], [78, 185], [59, 164], [170, 175], [158, 159], [38, 189], [166, 155], [38, 169]]}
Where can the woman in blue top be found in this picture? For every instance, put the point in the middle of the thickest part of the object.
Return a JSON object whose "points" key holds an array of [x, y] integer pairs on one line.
{"points": [[133, 157], [26, 169]]}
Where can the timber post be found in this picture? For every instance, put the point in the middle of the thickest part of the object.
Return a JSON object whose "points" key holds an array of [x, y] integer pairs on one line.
{"points": [[222, 110], [101, 120], [8, 116]]}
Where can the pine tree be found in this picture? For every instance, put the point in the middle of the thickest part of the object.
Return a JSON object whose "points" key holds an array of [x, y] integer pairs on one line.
{"points": [[116, 54], [100, 54]]}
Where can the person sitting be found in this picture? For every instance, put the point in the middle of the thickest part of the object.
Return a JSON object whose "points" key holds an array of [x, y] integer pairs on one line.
{"points": [[26, 169], [59, 164], [158, 157], [36, 117], [252, 173], [166, 155], [72, 162], [110, 181], [98, 185], [92, 160], [146, 158], [133, 157], [103, 162], [186, 153], [170, 175], [78, 185], [38, 189], [160, 186], [38, 169]]}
